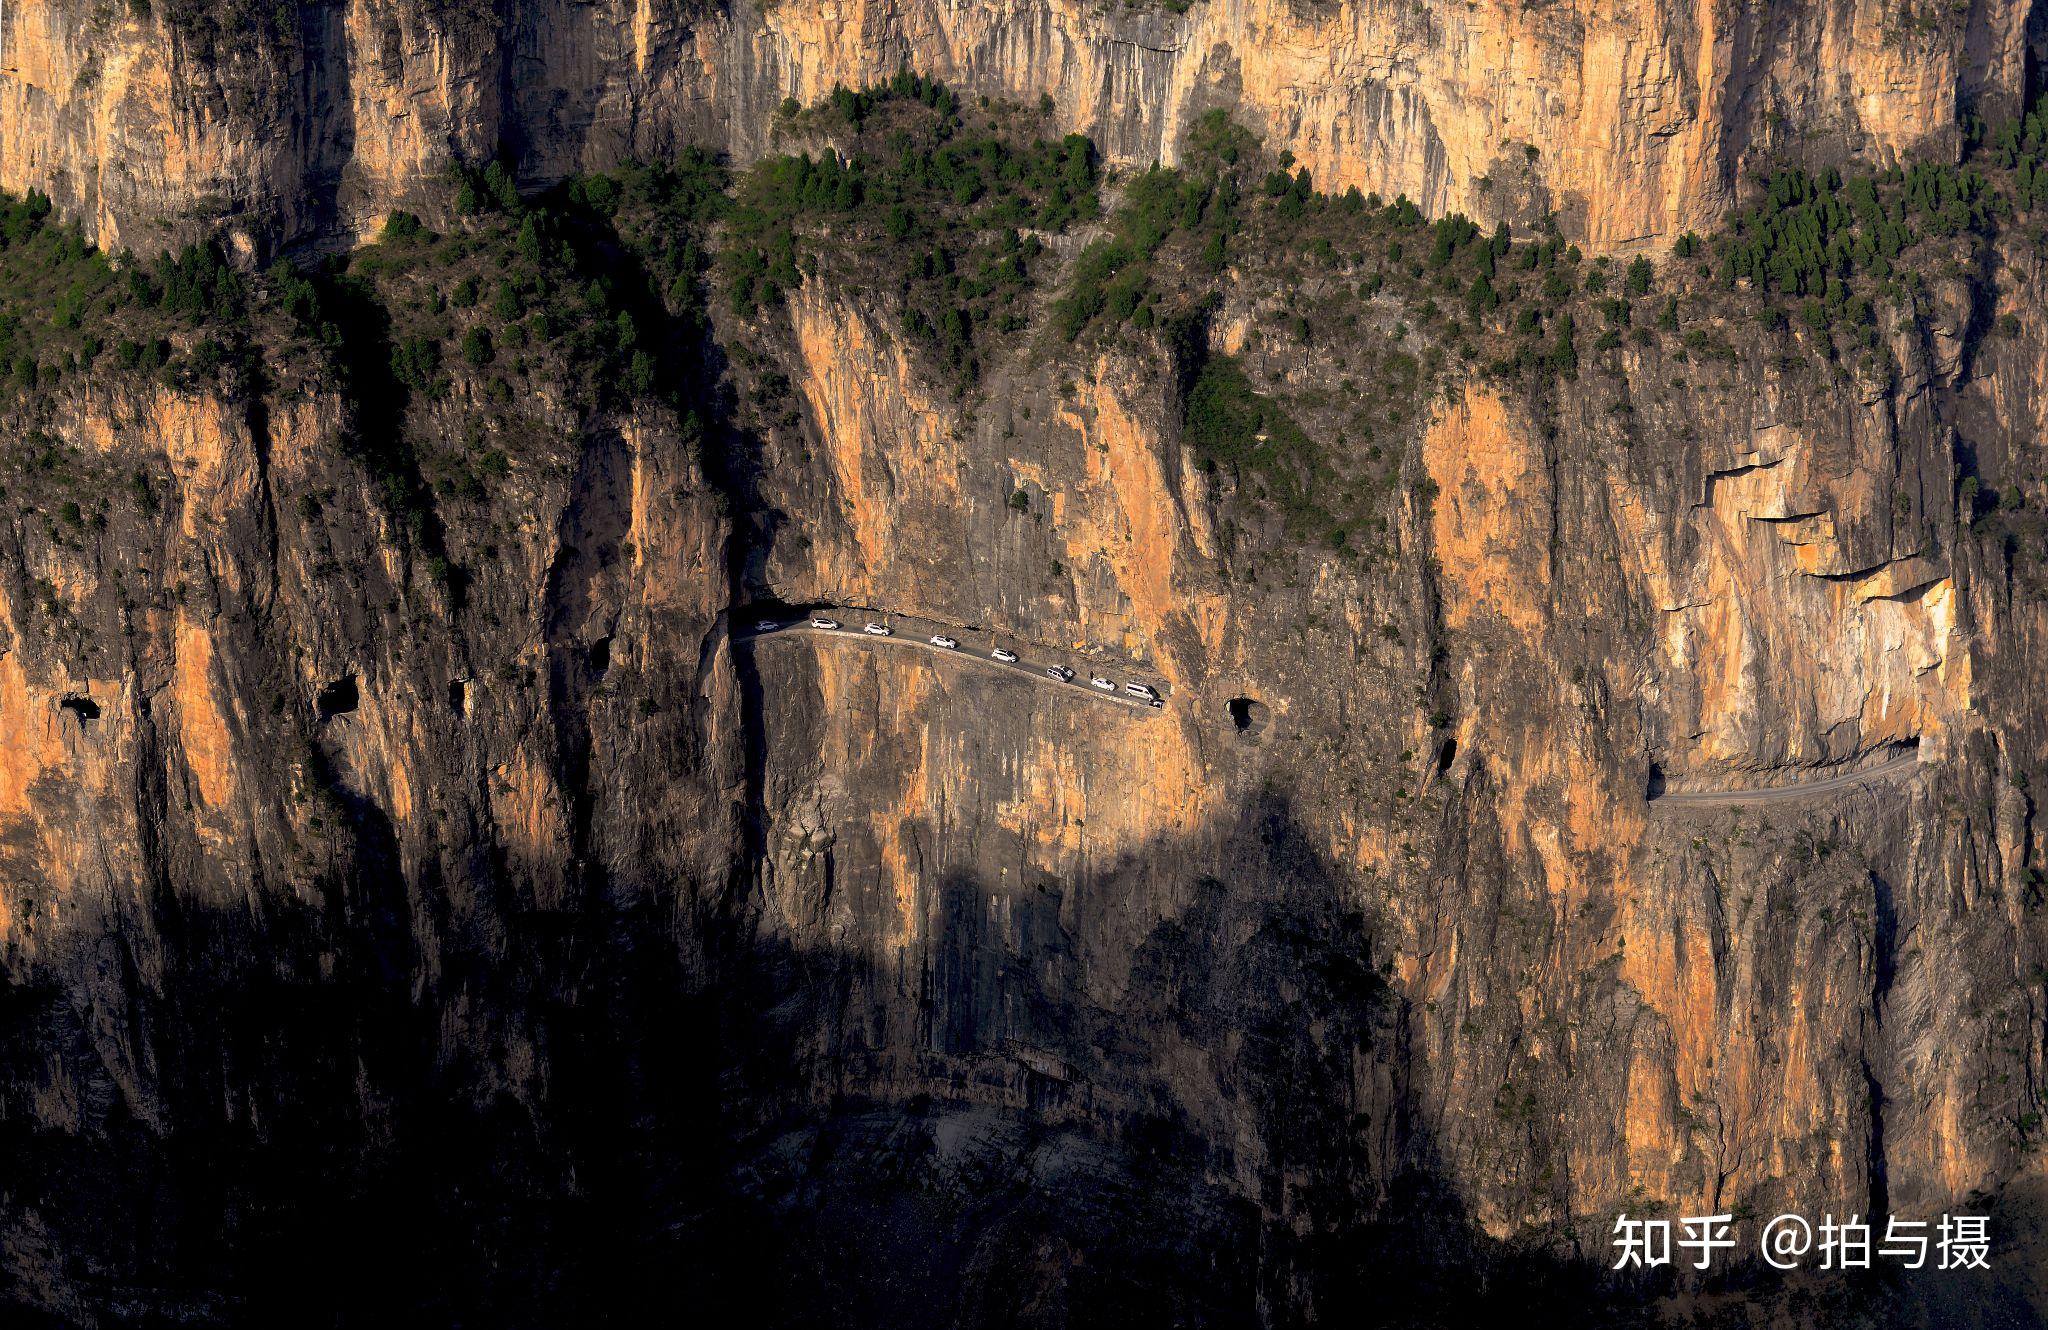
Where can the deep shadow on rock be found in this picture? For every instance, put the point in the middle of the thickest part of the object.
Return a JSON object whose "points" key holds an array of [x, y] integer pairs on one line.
{"points": [[718, 1139]]}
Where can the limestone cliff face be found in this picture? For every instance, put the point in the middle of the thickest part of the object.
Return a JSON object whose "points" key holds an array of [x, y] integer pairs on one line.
{"points": [[1726, 1008], [531, 884], [263, 793], [452, 894], [1635, 124]]}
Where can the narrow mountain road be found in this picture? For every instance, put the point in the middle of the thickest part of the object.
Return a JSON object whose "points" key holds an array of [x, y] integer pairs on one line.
{"points": [[1775, 794], [976, 647]]}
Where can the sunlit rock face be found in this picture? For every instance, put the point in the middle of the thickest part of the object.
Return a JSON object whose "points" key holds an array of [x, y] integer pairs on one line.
{"points": [[1634, 124], [460, 899]]}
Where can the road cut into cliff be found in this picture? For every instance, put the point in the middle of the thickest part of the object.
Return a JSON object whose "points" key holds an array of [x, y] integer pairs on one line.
{"points": [[1029, 662], [1900, 759]]}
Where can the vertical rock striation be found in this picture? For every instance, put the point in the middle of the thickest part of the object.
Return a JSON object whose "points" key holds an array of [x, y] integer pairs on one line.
{"points": [[308, 123], [444, 890]]}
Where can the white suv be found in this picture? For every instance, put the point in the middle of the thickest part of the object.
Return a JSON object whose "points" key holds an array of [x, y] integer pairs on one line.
{"points": [[949, 643], [1102, 683], [827, 624], [878, 630], [1006, 656]]}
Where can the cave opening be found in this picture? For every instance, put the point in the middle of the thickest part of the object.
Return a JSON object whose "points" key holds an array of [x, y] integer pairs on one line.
{"points": [[82, 707], [1653, 786], [458, 696], [599, 655], [1446, 755], [338, 698], [1247, 715]]}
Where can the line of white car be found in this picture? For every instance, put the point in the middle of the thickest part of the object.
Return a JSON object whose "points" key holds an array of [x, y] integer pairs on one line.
{"points": [[1143, 692]]}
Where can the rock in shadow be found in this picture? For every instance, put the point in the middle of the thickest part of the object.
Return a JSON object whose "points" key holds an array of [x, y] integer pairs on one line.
{"points": [[1222, 1136]]}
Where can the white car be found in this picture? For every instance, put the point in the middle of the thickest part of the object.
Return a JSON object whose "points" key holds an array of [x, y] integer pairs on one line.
{"points": [[949, 643], [827, 624], [766, 626], [1006, 656], [878, 630], [1141, 690], [1060, 672], [1102, 683]]}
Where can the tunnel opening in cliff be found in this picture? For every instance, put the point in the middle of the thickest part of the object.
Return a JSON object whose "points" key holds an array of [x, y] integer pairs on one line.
{"points": [[338, 697], [1247, 716], [82, 707]]}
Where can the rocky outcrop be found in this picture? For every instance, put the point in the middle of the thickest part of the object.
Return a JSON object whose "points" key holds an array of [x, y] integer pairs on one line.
{"points": [[1605, 1005], [1376, 904], [405, 875], [309, 123]]}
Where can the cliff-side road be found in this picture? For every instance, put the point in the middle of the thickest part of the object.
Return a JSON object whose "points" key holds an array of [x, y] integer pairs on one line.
{"points": [[1785, 793], [976, 646]]}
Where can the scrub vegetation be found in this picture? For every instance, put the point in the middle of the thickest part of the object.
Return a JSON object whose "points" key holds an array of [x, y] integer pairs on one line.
{"points": [[950, 215], [944, 206]]}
